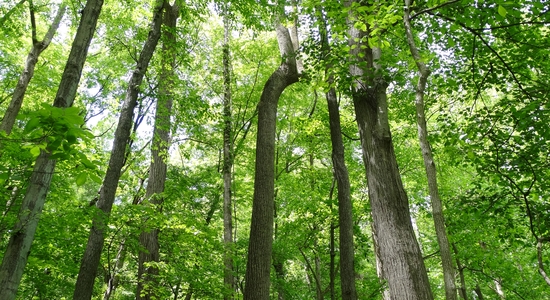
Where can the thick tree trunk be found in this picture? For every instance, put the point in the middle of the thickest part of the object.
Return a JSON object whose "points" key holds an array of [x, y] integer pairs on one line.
{"points": [[400, 254], [159, 153], [28, 71], [429, 164], [17, 252], [229, 279], [90, 261], [257, 278]]}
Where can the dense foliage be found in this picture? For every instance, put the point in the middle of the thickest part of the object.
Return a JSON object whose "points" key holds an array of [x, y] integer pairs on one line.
{"points": [[487, 107]]}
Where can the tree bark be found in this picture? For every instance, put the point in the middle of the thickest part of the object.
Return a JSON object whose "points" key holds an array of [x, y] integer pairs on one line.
{"points": [[159, 152], [90, 261], [429, 163], [18, 249], [400, 254], [258, 265], [112, 282], [229, 280], [345, 208], [32, 58]]}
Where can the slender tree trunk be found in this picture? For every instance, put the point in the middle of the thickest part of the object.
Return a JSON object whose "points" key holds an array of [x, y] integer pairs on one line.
{"points": [[37, 48], [429, 164], [332, 248], [18, 249], [159, 153], [462, 288], [345, 208], [478, 292], [112, 282], [229, 280], [400, 254], [90, 261], [258, 266]]}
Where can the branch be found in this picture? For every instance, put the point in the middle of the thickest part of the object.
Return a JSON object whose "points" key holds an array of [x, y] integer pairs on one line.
{"points": [[433, 8], [476, 33]]}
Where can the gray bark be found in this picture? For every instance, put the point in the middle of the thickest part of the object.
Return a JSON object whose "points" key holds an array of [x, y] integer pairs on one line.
{"points": [[429, 164], [257, 278], [159, 153], [19, 245], [32, 58], [112, 282], [400, 254], [90, 261]]}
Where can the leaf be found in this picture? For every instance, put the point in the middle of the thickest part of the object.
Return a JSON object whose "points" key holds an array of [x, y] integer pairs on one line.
{"points": [[81, 179], [96, 178], [35, 151], [32, 124], [502, 11]]}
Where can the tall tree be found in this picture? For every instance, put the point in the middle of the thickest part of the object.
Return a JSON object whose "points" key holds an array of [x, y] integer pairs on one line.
{"points": [[90, 260], [17, 252], [429, 163], [32, 58], [400, 254], [149, 241], [258, 266], [229, 279], [345, 208]]}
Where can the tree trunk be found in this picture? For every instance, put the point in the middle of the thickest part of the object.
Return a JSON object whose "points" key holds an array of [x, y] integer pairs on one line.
{"points": [[28, 71], [229, 280], [90, 261], [258, 265], [400, 254], [18, 249], [159, 152], [462, 288], [345, 208], [478, 292], [429, 164], [112, 282]]}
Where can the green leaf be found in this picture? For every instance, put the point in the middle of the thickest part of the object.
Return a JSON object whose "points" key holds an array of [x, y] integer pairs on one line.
{"points": [[32, 124], [502, 11], [81, 179], [96, 178], [35, 151]]}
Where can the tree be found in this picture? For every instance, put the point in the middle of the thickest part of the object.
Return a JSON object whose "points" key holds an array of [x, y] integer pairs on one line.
{"points": [[15, 257], [258, 265], [92, 254], [429, 163], [32, 58], [400, 255], [148, 238]]}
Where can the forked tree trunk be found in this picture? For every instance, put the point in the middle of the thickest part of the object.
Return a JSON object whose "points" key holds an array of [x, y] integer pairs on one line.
{"points": [[429, 163], [229, 279], [400, 254], [92, 254], [257, 278], [148, 239], [19, 245], [32, 58]]}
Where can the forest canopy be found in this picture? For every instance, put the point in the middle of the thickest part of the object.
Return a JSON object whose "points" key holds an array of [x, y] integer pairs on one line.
{"points": [[261, 149]]}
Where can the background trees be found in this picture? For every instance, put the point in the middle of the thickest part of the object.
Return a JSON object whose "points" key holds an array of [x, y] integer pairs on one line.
{"points": [[485, 107]]}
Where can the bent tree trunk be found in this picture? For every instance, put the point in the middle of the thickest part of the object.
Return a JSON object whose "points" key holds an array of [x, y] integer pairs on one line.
{"points": [[429, 163], [32, 58], [17, 251], [148, 239], [261, 229], [401, 259], [92, 254]]}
